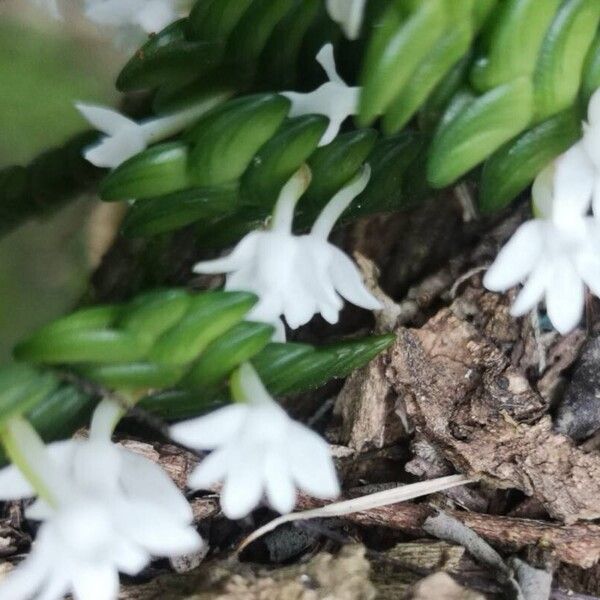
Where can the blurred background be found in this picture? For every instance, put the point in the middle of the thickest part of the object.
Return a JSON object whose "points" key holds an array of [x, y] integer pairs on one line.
{"points": [[45, 66]]}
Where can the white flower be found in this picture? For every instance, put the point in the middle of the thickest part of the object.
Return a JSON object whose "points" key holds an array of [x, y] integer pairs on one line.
{"points": [[126, 138], [296, 276], [348, 14], [334, 99], [149, 15], [557, 254], [104, 510], [257, 448]]}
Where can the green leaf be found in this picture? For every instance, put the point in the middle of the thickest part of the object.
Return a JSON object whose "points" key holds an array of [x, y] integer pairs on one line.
{"points": [[401, 40], [168, 56], [82, 346], [153, 313], [95, 317], [335, 165], [560, 64], [284, 368], [591, 72], [133, 376], [251, 33], [208, 91], [280, 158], [209, 316], [214, 20], [514, 166], [434, 108], [389, 161], [516, 31], [445, 54], [22, 388], [225, 141], [226, 353], [62, 412], [228, 230], [478, 130], [174, 405], [161, 169], [173, 211], [279, 59], [292, 368], [482, 12]]}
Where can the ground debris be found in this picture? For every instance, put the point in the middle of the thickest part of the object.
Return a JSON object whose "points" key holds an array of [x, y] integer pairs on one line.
{"points": [[522, 581], [576, 544], [465, 397], [341, 577], [367, 409], [441, 586], [579, 412]]}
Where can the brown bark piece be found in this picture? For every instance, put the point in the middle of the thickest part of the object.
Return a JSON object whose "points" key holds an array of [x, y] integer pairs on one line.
{"points": [[367, 406], [576, 544], [463, 395]]}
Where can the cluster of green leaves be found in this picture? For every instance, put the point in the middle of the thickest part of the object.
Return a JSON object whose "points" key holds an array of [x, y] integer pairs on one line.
{"points": [[488, 87], [498, 84], [173, 349]]}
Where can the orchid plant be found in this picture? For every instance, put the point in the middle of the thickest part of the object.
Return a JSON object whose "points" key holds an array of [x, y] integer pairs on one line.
{"points": [[93, 498]]}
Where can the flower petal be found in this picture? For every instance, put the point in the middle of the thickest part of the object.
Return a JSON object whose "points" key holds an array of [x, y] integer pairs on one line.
{"points": [[98, 581], [518, 257], [242, 254], [13, 485], [565, 296], [588, 267], [155, 529], [311, 463], [573, 184], [212, 468], [96, 465], [28, 577], [542, 192], [349, 283], [129, 558], [212, 430], [40, 510], [279, 485], [348, 14], [594, 108], [112, 151], [56, 586], [533, 291], [244, 484], [596, 199], [104, 119], [141, 478], [156, 15]]}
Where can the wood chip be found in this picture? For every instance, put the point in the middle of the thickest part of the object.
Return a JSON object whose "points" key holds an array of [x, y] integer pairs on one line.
{"points": [[464, 396]]}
